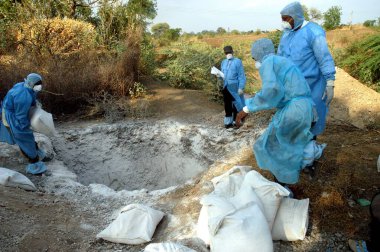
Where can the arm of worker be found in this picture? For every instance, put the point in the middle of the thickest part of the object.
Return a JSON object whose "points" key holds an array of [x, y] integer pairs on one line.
{"points": [[241, 77]]}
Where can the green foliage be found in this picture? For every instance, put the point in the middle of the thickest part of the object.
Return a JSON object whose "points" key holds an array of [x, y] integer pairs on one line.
{"points": [[137, 90], [148, 55], [369, 23], [332, 17], [275, 37], [163, 34], [305, 12], [315, 14], [139, 12], [362, 60], [221, 30], [188, 65]]}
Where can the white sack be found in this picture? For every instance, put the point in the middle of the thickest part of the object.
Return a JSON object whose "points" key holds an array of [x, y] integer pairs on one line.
{"points": [[135, 224], [42, 122], [269, 193], [229, 183], [217, 72], [167, 247], [292, 220], [15, 179], [243, 229], [216, 205], [202, 225], [241, 226]]}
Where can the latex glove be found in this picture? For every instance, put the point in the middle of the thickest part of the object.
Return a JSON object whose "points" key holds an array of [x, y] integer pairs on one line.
{"points": [[329, 92], [240, 91], [36, 168], [239, 117]]}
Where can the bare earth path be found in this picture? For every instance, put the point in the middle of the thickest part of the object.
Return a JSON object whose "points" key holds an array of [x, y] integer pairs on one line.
{"points": [[39, 221]]}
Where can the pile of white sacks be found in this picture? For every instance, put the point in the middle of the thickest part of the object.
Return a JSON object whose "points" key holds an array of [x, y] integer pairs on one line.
{"points": [[246, 212]]}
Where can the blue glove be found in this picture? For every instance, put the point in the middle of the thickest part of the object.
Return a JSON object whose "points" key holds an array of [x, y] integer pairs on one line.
{"points": [[36, 168]]}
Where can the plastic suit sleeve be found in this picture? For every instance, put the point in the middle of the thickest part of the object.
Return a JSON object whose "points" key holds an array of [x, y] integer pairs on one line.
{"points": [[271, 93], [324, 58], [22, 104], [242, 78]]}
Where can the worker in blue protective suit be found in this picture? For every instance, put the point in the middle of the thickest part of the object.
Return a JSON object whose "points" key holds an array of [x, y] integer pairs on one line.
{"points": [[280, 148], [305, 44], [15, 123], [233, 86]]}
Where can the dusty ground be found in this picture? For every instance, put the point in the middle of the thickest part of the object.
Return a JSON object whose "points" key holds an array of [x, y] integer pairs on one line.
{"points": [[51, 220]]}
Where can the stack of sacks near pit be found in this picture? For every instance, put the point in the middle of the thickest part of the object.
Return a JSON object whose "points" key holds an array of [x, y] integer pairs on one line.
{"points": [[241, 214]]}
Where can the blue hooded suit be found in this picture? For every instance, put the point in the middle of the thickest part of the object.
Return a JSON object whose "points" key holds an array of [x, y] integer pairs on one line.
{"points": [[280, 148], [306, 46]]}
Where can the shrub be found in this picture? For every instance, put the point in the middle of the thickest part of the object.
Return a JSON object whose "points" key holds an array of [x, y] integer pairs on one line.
{"points": [[56, 37], [362, 60], [189, 65]]}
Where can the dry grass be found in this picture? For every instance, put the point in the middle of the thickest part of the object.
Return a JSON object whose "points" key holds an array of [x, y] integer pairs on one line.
{"points": [[218, 41], [341, 38]]}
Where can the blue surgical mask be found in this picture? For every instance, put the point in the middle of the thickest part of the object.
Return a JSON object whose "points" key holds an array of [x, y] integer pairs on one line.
{"points": [[229, 56], [257, 64]]}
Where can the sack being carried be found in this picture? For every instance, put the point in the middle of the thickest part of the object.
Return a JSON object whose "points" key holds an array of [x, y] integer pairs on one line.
{"points": [[42, 122]]}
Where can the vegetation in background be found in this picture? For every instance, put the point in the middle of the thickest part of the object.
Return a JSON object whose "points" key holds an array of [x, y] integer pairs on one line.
{"points": [[80, 47], [164, 35], [362, 60], [332, 17]]}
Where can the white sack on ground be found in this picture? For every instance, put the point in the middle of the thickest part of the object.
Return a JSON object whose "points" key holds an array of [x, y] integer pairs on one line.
{"points": [[291, 220], [135, 224], [167, 247], [235, 223], [15, 179], [42, 122], [202, 226], [216, 205], [243, 229], [269, 193], [229, 183]]}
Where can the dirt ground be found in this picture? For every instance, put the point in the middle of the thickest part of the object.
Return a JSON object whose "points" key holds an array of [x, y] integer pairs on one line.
{"points": [[41, 221]]}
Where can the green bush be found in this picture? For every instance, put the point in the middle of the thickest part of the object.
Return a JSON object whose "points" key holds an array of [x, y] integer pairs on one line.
{"points": [[188, 65], [362, 60]]}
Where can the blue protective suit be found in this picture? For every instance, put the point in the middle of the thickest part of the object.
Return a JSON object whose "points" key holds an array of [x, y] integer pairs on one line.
{"points": [[280, 148], [16, 105], [234, 79], [307, 48]]}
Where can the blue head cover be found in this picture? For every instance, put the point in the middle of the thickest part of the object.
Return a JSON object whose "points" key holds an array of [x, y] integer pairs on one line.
{"points": [[296, 12], [262, 48], [32, 79]]}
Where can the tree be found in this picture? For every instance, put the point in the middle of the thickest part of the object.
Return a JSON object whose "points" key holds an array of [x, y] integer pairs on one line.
{"points": [[221, 30], [159, 29], [369, 23], [305, 12], [235, 32], [332, 17], [315, 14]]}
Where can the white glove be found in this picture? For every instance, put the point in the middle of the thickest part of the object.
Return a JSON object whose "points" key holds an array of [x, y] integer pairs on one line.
{"points": [[240, 91], [329, 92]]}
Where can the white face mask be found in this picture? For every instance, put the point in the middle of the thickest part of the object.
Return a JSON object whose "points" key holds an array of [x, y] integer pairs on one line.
{"points": [[37, 88], [229, 56], [286, 26], [257, 65]]}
